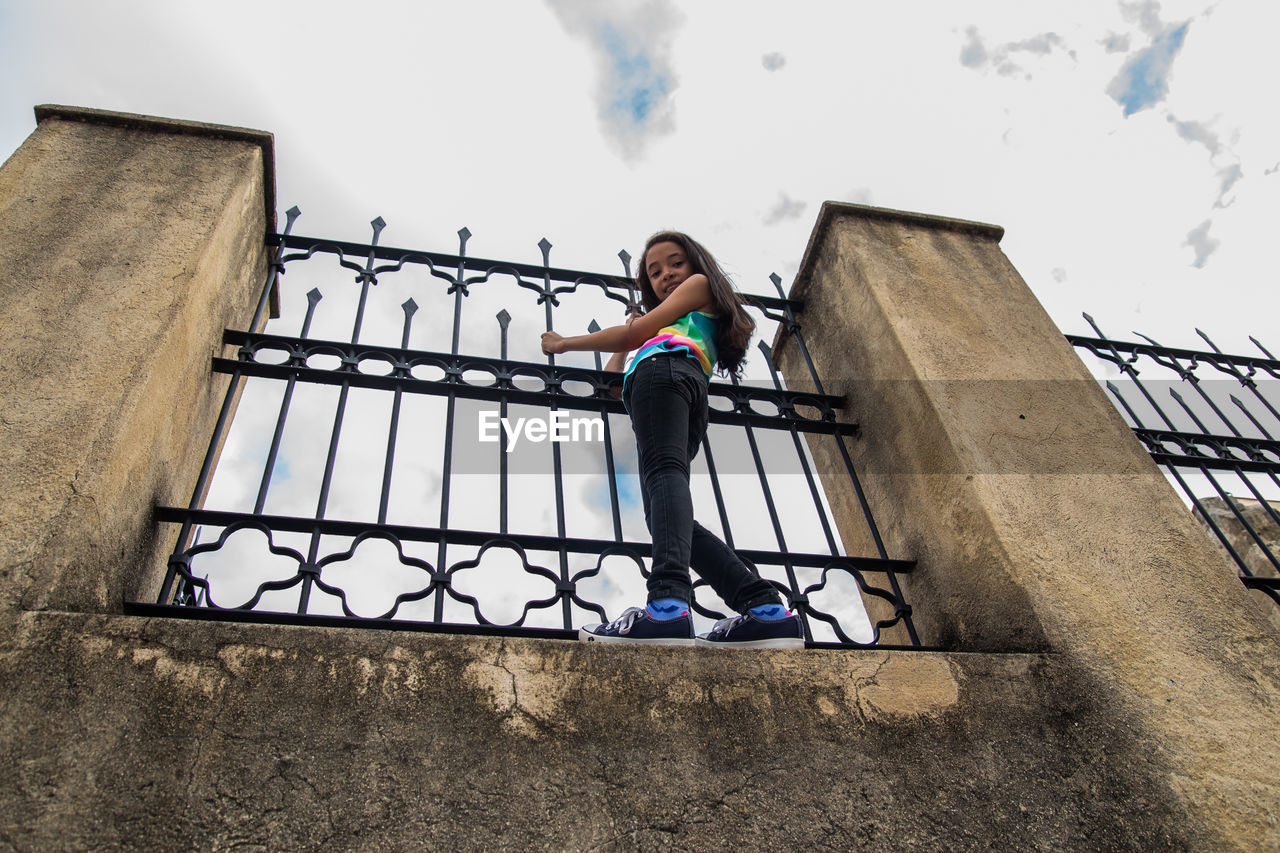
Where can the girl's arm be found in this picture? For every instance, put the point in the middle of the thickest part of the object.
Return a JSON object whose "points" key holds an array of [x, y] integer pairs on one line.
{"points": [[617, 361], [692, 294]]}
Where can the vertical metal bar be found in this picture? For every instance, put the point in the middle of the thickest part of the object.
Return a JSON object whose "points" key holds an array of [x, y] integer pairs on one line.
{"points": [[715, 488], [321, 504], [410, 308], [802, 456], [313, 299], [608, 454], [556, 465], [792, 582], [224, 415], [459, 290], [277, 269], [365, 279], [504, 320], [1248, 414], [633, 309], [793, 329]]}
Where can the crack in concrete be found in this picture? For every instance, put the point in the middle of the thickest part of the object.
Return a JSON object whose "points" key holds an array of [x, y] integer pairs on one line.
{"points": [[859, 684]]}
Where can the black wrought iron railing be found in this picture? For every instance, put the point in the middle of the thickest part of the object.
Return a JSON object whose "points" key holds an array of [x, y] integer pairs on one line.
{"points": [[372, 476], [1210, 420]]}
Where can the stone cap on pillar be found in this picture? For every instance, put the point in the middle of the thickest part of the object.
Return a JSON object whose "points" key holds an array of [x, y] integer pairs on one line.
{"points": [[831, 210], [261, 138]]}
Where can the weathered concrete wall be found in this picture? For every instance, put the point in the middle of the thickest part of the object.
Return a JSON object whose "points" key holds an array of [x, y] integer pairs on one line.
{"points": [[1135, 712], [127, 245], [159, 734], [991, 456]]}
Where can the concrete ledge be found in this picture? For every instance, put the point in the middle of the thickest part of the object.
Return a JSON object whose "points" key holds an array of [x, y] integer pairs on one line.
{"points": [[169, 734]]}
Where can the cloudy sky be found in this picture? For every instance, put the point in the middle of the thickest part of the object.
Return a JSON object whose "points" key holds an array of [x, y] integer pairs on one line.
{"points": [[1126, 147]]}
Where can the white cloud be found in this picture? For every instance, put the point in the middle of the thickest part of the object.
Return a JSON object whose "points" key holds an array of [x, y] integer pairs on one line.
{"points": [[1194, 131], [974, 53], [1201, 243], [635, 79], [785, 208], [1144, 78], [773, 61], [1145, 13], [1229, 176], [1116, 43]]}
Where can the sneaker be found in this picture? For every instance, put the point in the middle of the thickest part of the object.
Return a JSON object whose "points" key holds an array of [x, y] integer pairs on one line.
{"points": [[750, 632], [637, 626]]}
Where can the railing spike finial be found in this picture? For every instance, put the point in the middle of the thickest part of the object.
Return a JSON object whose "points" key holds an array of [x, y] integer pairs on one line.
{"points": [[314, 295], [1208, 341], [290, 216], [504, 319], [1261, 347], [410, 308], [593, 326], [625, 257], [464, 234], [777, 284], [378, 224], [545, 245]]}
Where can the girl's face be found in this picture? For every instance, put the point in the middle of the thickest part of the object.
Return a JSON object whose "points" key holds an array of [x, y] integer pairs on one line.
{"points": [[667, 267]]}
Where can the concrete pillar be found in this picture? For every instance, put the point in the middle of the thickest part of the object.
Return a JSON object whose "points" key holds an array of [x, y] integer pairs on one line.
{"points": [[127, 244], [991, 455]]}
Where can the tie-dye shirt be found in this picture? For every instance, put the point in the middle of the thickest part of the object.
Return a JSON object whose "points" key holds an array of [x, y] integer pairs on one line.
{"points": [[694, 334]]}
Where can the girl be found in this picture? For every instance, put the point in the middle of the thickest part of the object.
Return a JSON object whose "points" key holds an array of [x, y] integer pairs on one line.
{"points": [[694, 320]]}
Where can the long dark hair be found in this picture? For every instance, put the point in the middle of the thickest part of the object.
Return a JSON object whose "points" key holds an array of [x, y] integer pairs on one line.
{"points": [[735, 327]]}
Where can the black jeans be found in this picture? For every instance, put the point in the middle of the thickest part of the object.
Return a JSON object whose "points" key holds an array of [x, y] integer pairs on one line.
{"points": [[667, 398]]}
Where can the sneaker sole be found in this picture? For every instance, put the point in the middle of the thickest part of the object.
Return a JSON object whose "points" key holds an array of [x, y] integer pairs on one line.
{"points": [[585, 636], [776, 643]]}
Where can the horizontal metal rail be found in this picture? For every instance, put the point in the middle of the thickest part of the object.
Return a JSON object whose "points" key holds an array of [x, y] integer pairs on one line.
{"points": [[440, 263], [1260, 454], [532, 542], [504, 375]]}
